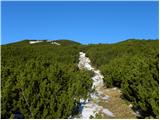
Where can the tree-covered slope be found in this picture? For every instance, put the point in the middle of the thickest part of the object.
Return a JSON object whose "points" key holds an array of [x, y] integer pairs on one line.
{"points": [[42, 80], [133, 66], [26, 42]]}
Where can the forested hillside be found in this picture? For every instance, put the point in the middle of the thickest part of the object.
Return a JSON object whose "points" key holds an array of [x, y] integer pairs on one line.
{"points": [[42, 80], [133, 66]]}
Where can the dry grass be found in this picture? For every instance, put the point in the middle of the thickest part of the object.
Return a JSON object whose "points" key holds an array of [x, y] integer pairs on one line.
{"points": [[116, 105]]}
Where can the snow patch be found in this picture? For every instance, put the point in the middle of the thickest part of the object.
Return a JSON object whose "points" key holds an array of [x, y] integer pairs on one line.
{"points": [[130, 105], [33, 42], [55, 43], [107, 112], [38, 41], [114, 88], [82, 100], [105, 97], [90, 107], [93, 96], [85, 63]]}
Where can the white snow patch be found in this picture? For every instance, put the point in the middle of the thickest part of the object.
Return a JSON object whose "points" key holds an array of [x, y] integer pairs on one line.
{"points": [[93, 96], [84, 62], [114, 88], [105, 97], [90, 107], [107, 112], [55, 43], [33, 42], [130, 105], [82, 100]]}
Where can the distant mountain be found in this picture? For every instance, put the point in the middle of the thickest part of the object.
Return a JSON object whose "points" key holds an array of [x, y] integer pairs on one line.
{"points": [[136, 41], [45, 42]]}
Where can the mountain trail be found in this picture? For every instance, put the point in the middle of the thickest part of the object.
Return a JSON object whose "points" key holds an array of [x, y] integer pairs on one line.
{"points": [[104, 102]]}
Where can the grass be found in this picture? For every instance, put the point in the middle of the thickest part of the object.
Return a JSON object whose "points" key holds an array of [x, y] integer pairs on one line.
{"points": [[116, 105]]}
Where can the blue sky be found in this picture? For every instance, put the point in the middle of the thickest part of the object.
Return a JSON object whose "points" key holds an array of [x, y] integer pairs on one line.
{"points": [[85, 22]]}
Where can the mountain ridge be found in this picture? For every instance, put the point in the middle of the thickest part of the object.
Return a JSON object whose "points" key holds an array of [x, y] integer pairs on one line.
{"points": [[72, 42], [61, 41]]}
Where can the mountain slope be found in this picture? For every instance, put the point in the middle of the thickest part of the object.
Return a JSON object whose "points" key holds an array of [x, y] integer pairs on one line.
{"points": [[45, 42], [42, 80], [133, 67]]}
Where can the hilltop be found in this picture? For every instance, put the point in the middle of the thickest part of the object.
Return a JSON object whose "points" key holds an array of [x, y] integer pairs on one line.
{"points": [[45, 42]]}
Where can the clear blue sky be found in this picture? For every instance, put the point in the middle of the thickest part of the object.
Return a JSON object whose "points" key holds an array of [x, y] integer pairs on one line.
{"points": [[85, 22]]}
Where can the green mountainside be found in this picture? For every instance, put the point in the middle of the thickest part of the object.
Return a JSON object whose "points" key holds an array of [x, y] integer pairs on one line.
{"points": [[42, 80], [133, 66], [45, 42]]}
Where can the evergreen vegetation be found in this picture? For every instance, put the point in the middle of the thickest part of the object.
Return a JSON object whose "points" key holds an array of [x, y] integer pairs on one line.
{"points": [[42, 80], [133, 66]]}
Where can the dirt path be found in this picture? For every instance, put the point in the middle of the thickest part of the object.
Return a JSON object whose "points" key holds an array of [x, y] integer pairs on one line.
{"points": [[116, 104], [104, 102]]}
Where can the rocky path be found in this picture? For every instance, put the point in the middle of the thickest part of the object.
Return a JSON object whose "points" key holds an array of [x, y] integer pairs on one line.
{"points": [[100, 104], [90, 107]]}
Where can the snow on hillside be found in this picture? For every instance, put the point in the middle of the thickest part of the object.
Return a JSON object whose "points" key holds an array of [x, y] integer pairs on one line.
{"points": [[33, 42], [85, 63], [55, 43], [90, 107], [38, 41]]}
